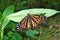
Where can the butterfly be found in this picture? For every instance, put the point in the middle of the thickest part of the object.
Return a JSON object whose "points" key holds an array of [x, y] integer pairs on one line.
{"points": [[30, 21]]}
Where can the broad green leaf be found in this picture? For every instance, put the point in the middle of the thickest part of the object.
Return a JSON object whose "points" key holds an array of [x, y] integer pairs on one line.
{"points": [[8, 10], [18, 16], [31, 33]]}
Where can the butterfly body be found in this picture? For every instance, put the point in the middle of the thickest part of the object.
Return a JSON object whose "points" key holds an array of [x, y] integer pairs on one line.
{"points": [[30, 21]]}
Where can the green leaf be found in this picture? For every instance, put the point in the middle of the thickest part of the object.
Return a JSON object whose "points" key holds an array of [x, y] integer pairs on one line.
{"points": [[14, 35], [13, 25], [10, 34], [5, 38], [18, 36], [5, 22], [8, 10], [18, 16], [31, 33], [14, 38]]}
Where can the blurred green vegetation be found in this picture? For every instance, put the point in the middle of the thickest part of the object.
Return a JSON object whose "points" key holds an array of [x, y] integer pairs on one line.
{"points": [[52, 32], [25, 4]]}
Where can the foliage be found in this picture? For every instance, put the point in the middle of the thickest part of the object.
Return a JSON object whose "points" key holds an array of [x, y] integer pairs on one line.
{"points": [[18, 16], [4, 18], [7, 12], [31, 33], [10, 10]]}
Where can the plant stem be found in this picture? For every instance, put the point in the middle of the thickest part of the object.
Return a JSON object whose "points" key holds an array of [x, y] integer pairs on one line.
{"points": [[1, 34]]}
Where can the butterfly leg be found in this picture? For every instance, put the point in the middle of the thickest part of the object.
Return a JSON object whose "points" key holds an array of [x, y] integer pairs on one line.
{"points": [[40, 32]]}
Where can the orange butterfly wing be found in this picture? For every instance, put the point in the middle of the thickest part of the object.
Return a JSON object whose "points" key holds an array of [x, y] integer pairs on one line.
{"points": [[30, 21]]}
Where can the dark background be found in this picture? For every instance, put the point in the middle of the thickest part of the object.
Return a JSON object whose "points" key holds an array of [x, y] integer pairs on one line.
{"points": [[25, 4]]}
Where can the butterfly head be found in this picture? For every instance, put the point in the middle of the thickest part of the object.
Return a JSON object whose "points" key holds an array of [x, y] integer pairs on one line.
{"points": [[17, 29]]}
